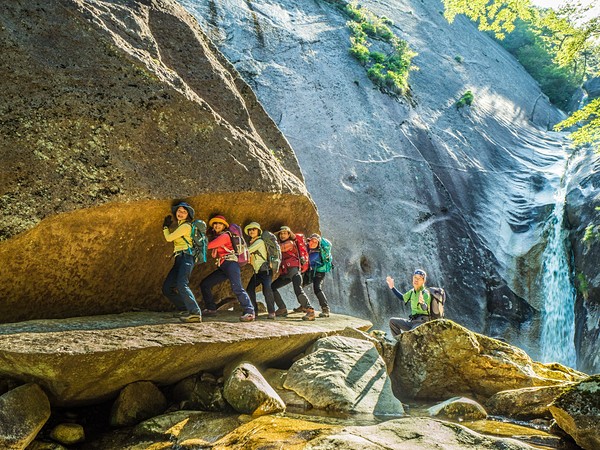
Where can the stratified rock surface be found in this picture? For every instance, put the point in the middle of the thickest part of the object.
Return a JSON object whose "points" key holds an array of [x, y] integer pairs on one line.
{"points": [[440, 359], [90, 359], [577, 412], [108, 112], [526, 403]]}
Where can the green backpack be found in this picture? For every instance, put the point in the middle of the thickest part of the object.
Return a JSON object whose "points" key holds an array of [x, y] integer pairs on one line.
{"points": [[326, 257]]}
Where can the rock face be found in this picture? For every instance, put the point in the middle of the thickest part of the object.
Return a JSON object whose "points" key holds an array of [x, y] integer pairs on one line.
{"points": [[344, 374], [582, 200], [408, 182], [90, 359], [105, 119], [137, 402], [23, 413], [440, 359], [577, 412]]}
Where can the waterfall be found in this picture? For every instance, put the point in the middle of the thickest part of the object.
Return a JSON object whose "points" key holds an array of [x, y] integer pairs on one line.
{"points": [[558, 315]]}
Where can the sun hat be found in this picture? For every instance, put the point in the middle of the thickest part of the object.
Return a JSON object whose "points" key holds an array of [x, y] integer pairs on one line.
{"points": [[186, 206], [252, 225], [288, 229], [218, 219]]}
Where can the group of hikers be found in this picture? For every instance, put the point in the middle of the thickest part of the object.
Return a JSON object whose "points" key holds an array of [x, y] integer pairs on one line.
{"points": [[288, 255]]}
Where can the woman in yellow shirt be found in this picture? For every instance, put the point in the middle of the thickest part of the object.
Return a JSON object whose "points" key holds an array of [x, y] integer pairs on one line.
{"points": [[177, 284]]}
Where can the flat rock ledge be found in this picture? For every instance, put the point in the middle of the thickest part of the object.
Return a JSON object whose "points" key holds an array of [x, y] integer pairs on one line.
{"points": [[85, 360]]}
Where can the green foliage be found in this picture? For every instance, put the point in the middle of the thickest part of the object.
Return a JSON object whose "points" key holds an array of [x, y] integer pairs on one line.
{"points": [[389, 72], [568, 36], [466, 99], [582, 285], [527, 45], [588, 118], [458, 59]]}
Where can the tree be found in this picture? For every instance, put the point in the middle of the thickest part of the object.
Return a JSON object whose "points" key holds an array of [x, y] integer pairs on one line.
{"points": [[568, 34]]}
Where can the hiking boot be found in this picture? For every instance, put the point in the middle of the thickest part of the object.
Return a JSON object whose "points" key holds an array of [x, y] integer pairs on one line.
{"points": [[209, 312], [300, 309], [248, 317], [271, 316], [191, 318], [310, 314], [281, 312], [179, 314], [325, 312]]}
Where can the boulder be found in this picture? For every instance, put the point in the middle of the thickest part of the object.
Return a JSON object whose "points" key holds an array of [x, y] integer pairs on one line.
{"points": [[526, 403], [122, 110], [458, 408], [441, 358], [249, 393], [75, 359], [23, 412], [136, 402], [577, 412], [344, 374], [200, 394], [185, 425], [41, 445], [415, 433], [68, 433], [276, 378]]}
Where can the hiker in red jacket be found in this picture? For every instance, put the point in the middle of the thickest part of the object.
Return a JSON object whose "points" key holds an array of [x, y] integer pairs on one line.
{"points": [[290, 273], [227, 268]]}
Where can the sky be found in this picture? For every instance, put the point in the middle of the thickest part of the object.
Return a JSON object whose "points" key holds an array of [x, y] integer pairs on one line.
{"points": [[594, 12]]}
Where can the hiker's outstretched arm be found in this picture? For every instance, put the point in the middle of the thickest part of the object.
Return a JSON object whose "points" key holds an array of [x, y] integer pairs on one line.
{"points": [[181, 230]]}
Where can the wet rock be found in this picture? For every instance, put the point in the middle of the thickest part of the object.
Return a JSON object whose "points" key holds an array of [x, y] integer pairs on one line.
{"points": [[199, 393], [577, 412], [185, 425], [276, 378], [458, 408], [344, 374], [526, 403], [248, 392], [23, 412], [68, 433], [441, 358], [136, 402]]}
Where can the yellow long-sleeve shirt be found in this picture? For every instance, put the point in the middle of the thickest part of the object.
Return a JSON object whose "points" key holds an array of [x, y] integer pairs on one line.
{"points": [[183, 230]]}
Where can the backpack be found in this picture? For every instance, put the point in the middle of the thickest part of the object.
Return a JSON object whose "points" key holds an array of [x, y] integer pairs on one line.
{"points": [[438, 298], [199, 242], [326, 258], [238, 242], [302, 253], [273, 250]]}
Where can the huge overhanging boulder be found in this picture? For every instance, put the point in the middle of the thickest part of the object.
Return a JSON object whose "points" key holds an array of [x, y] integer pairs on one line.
{"points": [[109, 112]]}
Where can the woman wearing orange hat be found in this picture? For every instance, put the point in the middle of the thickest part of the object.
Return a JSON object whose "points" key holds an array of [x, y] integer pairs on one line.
{"points": [[227, 269]]}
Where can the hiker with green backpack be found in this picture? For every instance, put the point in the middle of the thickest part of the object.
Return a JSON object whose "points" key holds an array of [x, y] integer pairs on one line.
{"points": [[420, 303], [265, 257], [319, 255], [176, 286]]}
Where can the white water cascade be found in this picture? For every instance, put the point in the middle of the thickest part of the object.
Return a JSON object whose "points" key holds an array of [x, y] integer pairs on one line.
{"points": [[558, 315]]}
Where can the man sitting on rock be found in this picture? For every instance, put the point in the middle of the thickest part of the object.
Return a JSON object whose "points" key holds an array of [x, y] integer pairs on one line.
{"points": [[420, 302]]}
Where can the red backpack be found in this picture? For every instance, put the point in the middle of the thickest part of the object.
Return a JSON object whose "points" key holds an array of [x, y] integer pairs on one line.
{"points": [[302, 253]]}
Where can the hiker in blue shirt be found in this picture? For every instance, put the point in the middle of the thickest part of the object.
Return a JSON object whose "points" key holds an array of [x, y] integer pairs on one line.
{"points": [[420, 303], [319, 256]]}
